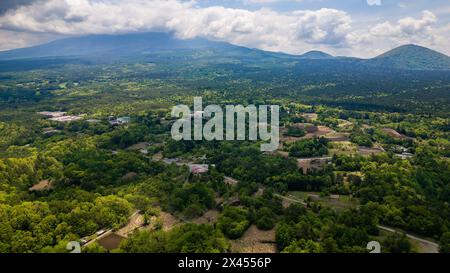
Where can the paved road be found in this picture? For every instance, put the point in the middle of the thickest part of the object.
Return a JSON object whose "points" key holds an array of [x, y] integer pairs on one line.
{"points": [[432, 247]]}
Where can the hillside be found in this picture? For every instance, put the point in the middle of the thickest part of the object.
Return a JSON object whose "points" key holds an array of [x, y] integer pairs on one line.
{"points": [[412, 57]]}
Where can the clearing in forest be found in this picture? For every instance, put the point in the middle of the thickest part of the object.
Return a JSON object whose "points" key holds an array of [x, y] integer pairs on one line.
{"points": [[255, 240]]}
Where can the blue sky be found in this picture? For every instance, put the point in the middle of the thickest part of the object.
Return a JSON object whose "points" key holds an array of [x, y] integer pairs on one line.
{"points": [[362, 28], [387, 8]]}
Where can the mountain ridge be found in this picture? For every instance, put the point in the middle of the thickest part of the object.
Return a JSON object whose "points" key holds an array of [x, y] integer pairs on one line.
{"points": [[136, 45], [106, 44]]}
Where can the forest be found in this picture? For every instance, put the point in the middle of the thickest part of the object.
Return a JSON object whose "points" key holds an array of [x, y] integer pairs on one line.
{"points": [[368, 156]]}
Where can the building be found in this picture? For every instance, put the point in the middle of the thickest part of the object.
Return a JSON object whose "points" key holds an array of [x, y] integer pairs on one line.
{"points": [[405, 155], [65, 118], [119, 121], [198, 168]]}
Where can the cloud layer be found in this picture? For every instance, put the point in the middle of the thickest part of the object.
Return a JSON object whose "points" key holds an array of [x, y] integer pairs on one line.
{"points": [[296, 31]]}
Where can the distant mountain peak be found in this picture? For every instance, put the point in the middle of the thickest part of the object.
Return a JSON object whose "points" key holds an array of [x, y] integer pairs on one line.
{"points": [[414, 57], [411, 46], [408, 49], [315, 54]]}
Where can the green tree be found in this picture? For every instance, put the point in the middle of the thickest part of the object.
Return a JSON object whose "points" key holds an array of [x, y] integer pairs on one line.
{"points": [[397, 243], [233, 222], [444, 243]]}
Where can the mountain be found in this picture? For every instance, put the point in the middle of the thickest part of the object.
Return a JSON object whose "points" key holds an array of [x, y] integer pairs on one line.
{"points": [[165, 47], [314, 54], [412, 57], [113, 46]]}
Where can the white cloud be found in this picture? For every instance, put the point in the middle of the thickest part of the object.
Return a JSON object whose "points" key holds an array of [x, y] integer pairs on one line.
{"points": [[374, 2], [297, 31], [408, 27], [380, 37], [324, 26], [262, 28]]}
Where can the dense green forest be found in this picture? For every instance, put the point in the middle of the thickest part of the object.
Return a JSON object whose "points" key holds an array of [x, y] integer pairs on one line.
{"points": [[385, 151]]}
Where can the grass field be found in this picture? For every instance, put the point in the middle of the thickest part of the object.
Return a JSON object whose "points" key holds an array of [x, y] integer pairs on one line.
{"points": [[340, 202]]}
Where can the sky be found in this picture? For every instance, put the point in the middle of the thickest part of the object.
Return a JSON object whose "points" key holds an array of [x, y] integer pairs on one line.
{"points": [[360, 28]]}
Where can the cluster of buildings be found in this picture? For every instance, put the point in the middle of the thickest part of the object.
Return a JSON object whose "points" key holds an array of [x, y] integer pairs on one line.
{"points": [[63, 117], [198, 168]]}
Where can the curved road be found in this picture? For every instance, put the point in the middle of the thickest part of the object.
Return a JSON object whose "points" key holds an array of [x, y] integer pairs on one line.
{"points": [[431, 247], [427, 245]]}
